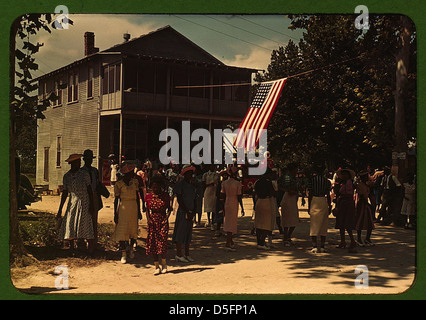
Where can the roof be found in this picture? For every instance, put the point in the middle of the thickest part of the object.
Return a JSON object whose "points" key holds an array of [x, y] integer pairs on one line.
{"points": [[164, 44]]}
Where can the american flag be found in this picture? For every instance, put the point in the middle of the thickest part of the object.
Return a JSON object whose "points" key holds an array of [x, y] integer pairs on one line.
{"points": [[259, 114]]}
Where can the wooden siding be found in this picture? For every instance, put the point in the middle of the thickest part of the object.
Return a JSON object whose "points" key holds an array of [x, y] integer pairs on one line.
{"points": [[76, 123]]}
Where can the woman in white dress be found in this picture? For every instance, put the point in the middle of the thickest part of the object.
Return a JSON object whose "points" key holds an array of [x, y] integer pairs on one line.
{"points": [[210, 180], [409, 204], [232, 189], [77, 222]]}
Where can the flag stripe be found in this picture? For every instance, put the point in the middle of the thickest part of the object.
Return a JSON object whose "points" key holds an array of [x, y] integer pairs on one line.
{"points": [[254, 129], [271, 110], [259, 114], [260, 123], [243, 126], [252, 124]]}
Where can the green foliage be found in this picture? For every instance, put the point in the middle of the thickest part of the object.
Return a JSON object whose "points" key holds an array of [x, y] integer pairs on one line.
{"points": [[38, 230], [25, 106], [341, 113]]}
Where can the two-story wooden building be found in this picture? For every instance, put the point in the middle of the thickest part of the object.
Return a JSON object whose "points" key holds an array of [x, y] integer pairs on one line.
{"points": [[119, 99]]}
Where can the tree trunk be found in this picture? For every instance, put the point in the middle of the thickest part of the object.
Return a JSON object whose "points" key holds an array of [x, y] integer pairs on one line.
{"points": [[402, 65], [16, 246]]}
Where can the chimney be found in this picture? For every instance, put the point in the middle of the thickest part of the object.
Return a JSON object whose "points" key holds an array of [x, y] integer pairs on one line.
{"points": [[126, 37], [89, 44]]}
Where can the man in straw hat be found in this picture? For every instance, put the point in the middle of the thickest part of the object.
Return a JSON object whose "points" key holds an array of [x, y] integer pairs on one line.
{"points": [[77, 223], [186, 196], [95, 184]]}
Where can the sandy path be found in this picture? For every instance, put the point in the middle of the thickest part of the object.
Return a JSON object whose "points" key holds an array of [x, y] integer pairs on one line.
{"points": [[391, 265]]}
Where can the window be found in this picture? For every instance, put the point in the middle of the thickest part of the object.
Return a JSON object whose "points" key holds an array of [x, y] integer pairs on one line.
{"points": [[117, 77], [90, 83], [58, 150], [111, 86], [72, 87], [111, 79], [146, 77], [105, 81], [58, 93], [46, 164], [161, 79]]}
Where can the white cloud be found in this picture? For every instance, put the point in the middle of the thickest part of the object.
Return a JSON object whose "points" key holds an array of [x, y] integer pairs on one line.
{"points": [[65, 46]]}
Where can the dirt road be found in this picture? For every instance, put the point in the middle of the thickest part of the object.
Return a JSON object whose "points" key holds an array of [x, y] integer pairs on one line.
{"points": [[282, 270]]}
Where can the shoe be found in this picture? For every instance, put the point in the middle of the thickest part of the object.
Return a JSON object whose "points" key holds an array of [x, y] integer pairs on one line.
{"points": [[189, 259], [124, 257], [132, 254], [368, 243], [314, 250], [212, 227], [163, 269], [323, 250], [181, 259], [157, 271], [262, 247], [342, 245], [360, 243]]}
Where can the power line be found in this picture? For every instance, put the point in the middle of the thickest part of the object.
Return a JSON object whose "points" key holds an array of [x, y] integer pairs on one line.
{"points": [[254, 44], [257, 24], [280, 43]]}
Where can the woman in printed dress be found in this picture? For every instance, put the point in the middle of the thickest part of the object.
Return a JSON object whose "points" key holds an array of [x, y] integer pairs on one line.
{"points": [[158, 206], [127, 211], [77, 222], [346, 212]]}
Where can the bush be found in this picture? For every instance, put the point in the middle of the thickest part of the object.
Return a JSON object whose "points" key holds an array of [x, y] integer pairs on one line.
{"points": [[38, 230]]}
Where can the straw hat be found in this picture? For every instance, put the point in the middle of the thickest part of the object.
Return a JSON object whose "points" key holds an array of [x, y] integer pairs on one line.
{"points": [[187, 168], [73, 157], [351, 172], [128, 167]]}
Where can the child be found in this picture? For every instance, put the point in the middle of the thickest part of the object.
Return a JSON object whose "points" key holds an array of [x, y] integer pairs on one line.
{"points": [[409, 203]]}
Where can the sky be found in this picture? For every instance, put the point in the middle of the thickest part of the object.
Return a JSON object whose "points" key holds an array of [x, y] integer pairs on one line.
{"points": [[242, 41]]}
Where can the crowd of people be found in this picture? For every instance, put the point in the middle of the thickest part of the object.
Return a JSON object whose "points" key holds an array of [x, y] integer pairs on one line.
{"points": [[357, 200]]}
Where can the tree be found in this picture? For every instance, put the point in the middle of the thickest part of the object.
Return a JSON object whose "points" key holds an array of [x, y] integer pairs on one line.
{"points": [[24, 105], [341, 113]]}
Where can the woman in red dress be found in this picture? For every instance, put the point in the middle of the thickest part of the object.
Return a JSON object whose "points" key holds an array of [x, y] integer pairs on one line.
{"points": [[158, 207]]}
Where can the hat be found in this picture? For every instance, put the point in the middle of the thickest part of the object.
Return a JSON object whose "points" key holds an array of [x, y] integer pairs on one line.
{"points": [[88, 154], [232, 170], [128, 167], [187, 168], [351, 172], [73, 157], [222, 172], [363, 173]]}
